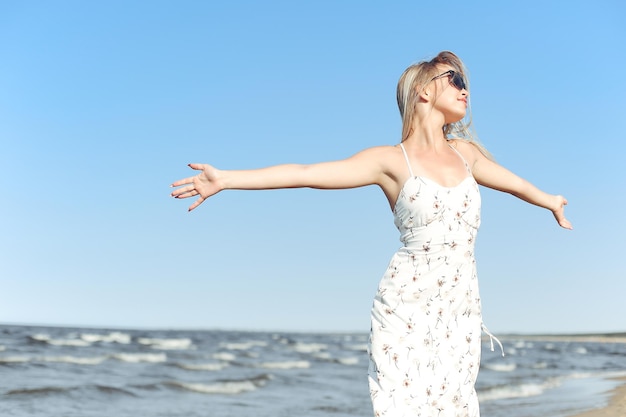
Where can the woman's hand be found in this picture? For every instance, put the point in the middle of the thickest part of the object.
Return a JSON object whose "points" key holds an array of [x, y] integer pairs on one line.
{"points": [[559, 212], [204, 185]]}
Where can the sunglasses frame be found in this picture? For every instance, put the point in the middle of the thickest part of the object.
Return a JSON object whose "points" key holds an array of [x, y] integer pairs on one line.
{"points": [[455, 79]]}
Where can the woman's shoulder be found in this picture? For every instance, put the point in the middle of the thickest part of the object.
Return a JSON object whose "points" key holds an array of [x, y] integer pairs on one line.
{"points": [[387, 158], [382, 151], [466, 146]]}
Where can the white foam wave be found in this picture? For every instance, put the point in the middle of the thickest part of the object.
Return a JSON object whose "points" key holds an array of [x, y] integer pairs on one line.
{"points": [[360, 347], [203, 366], [166, 344], [2, 348], [327, 357], [550, 347], [583, 375], [224, 356], [41, 337], [113, 337], [60, 342], [140, 357], [348, 361], [309, 347], [95, 360], [243, 345], [285, 365], [219, 388], [14, 359], [516, 391], [581, 350], [501, 367], [323, 356]]}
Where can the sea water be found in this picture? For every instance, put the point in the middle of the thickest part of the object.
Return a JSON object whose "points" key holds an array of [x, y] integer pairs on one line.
{"points": [[56, 371]]}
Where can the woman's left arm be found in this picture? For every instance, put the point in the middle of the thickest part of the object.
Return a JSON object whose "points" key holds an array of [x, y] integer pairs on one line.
{"points": [[490, 174]]}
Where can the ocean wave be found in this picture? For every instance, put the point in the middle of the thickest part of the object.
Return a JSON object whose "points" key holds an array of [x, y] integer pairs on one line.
{"points": [[52, 390], [243, 345], [75, 360], [38, 391], [285, 365], [220, 388], [324, 356], [94, 360], [44, 338], [113, 337], [522, 344], [224, 356], [551, 347], [517, 391], [309, 347], [231, 387], [252, 355], [166, 344], [353, 360], [106, 389], [500, 367], [2, 348], [327, 357], [14, 359], [360, 347], [140, 357], [202, 366]]}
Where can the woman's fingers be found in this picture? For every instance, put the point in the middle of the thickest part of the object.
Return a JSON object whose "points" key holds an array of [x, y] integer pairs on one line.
{"points": [[184, 192], [196, 203], [199, 185], [188, 180]]}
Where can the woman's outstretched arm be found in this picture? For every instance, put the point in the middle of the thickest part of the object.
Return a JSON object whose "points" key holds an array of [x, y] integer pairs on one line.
{"points": [[364, 168], [495, 176]]}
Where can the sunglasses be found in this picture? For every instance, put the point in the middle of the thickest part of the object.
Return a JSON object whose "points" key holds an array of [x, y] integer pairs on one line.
{"points": [[455, 79]]}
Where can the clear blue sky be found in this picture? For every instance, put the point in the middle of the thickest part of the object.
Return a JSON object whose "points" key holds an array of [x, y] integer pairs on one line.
{"points": [[102, 105]]}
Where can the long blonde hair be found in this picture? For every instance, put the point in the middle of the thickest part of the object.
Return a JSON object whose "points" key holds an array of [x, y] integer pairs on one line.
{"points": [[414, 79]]}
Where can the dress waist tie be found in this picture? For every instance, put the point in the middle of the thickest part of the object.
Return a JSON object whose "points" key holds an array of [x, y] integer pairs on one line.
{"points": [[491, 338]]}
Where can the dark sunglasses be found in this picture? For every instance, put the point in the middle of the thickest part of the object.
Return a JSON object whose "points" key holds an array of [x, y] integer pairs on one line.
{"points": [[455, 79]]}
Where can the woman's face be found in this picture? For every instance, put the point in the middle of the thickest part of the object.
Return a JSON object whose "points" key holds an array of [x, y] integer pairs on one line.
{"points": [[452, 95]]}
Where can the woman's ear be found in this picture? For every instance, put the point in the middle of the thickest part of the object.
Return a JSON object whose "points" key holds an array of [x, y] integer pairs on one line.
{"points": [[424, 95]]}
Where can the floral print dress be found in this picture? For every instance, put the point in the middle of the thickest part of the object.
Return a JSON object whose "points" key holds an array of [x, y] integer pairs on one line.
{"points": [[425, 337]]}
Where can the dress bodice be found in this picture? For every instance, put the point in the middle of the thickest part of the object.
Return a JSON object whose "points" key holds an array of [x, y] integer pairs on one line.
{"points": [[428, 214]]}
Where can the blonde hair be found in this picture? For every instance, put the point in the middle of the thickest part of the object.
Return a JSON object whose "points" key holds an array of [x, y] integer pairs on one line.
{"points": [[414, 79]]}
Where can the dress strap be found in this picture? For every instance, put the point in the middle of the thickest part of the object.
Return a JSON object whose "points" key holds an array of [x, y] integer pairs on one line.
{"points": [[406, 158], [462, 159]]}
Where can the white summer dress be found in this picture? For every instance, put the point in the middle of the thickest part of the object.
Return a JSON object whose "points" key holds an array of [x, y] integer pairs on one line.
{"points": [[425, 337]]}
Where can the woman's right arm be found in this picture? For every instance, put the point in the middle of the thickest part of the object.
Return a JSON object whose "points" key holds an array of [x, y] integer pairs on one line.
{"points": [[490, 174], [364, 168]]}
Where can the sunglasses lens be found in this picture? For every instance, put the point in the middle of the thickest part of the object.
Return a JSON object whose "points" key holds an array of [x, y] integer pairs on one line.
{"points": [[458, 81]]}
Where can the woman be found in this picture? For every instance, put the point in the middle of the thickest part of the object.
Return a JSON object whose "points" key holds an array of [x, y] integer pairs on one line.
{"points": [[426, 318]]}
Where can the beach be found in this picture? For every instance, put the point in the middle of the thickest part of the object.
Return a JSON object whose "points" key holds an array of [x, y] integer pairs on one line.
{"points": [[616, 406]]}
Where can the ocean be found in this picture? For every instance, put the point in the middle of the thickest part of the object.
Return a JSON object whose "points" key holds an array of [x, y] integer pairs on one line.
{"points": [[80, 372]]}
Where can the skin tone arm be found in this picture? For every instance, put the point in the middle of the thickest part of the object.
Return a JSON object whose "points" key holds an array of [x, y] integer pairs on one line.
{"points": [[364, 168], [492, 175], [367, 167]]}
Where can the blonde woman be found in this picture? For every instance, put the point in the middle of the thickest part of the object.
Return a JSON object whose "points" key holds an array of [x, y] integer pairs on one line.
{"points": [[426, 319]]}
